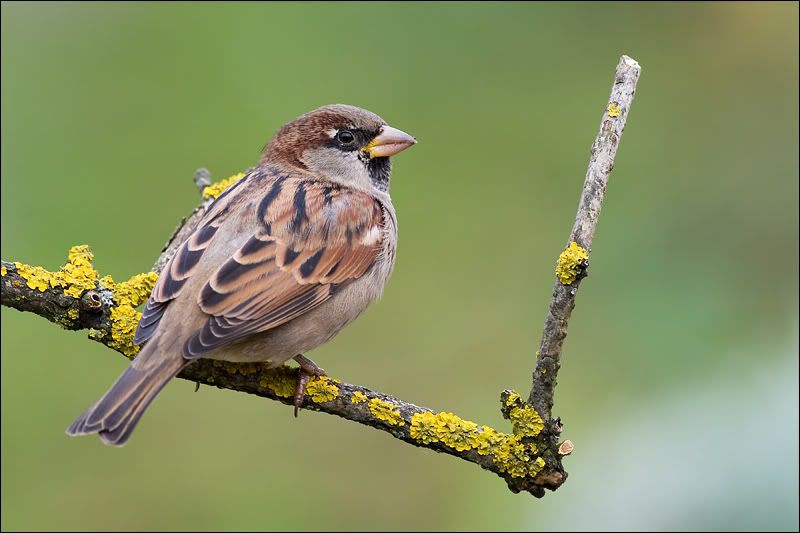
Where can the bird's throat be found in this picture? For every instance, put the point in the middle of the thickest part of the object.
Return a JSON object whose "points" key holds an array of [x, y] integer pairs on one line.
{"points": [[379, 169]]}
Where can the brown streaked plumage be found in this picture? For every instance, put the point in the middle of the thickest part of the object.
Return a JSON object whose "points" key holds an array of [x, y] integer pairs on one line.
{"points": [[279, 264]]}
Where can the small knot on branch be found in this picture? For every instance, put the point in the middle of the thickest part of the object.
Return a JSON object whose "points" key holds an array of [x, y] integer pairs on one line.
{"points": [[91, 302]]}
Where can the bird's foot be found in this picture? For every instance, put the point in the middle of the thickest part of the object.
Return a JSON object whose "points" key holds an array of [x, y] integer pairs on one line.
{"points": [[308, 369]]}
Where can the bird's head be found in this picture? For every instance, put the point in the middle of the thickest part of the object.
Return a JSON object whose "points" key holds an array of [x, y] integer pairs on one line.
{"points": [[341, 143]]}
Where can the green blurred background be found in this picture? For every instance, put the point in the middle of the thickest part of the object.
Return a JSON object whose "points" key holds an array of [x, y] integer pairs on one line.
{"points": [[679, 386]]}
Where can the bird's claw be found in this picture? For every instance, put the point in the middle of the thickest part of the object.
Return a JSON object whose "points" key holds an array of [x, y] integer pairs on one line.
{"points": [[308, 369]]}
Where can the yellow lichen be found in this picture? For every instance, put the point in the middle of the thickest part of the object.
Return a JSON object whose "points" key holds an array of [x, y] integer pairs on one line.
{"points": [[517, 458], [133, 292], [3, 271], [383, 410], [358, 397], [489, 440], [215, 189], [614, 110], [513, 398], [282, 381], [124, 320], [525, 420], [536, 466], [73, 314], [424, 427], [76, 276], [322, 389], [509, 452], [457, 433], [35, 277], [447, 428], [570, 262], [511, 457]]}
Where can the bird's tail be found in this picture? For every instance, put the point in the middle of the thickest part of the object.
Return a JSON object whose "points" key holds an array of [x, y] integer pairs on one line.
{"points": [[115, 415]]}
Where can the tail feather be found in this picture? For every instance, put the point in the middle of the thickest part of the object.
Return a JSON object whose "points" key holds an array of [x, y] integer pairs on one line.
{"points": [[115, 415]]}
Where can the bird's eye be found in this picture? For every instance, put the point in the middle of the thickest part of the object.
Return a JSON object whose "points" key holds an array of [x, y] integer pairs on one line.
{"points": [[345, 137]]}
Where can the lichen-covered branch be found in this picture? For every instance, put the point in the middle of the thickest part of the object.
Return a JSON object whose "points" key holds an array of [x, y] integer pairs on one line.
{"points": [[574, 260], [529, 458], [526, 458]]}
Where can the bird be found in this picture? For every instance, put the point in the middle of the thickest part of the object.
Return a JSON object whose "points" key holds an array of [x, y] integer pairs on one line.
{"points": [[279, 263]]}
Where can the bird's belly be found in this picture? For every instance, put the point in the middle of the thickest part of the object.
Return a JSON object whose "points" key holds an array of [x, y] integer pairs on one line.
{"points": [[311, 329]]}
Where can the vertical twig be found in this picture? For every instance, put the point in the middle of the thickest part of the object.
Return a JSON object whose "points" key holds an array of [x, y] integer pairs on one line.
{"points": [[604, 149]]}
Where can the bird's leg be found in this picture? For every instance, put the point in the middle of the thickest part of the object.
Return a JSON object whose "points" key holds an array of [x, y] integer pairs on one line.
{"points": [[308, 369]]}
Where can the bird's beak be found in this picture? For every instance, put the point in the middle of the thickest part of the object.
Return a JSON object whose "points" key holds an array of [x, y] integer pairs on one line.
{"points": [[391, 141]]}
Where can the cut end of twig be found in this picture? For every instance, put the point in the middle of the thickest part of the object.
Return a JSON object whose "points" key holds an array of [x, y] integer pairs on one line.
{"points": [[566, 447], [629, 61]]}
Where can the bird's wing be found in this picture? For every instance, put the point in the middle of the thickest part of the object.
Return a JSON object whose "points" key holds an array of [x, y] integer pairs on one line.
{"points": [[309, 238], [186, 260]]}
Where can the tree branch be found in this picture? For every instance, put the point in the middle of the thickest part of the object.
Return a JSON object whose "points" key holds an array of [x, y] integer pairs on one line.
{"points": [[528, 459], [574, 261]]}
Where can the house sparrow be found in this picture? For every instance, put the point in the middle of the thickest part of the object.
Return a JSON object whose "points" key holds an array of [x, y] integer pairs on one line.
{"points": [[279, 264]]}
